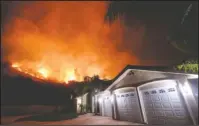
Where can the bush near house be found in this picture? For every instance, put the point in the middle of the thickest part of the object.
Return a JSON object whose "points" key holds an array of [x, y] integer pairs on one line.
{"points": [[188, 66]]}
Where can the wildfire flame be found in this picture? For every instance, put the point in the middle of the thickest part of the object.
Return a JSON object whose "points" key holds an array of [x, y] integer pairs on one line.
{"points": [[64, 41], [15, 65], [43, 72]]}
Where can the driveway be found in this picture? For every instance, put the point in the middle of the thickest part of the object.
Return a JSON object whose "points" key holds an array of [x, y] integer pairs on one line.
{"points": [[87, 119]]}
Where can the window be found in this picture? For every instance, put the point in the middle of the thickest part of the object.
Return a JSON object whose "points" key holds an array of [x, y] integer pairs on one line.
{"points": [[171, 90], [153, 92], [161, 91]]}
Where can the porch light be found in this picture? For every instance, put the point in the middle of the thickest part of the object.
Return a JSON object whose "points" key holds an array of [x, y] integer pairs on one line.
{"points": [[100, 100], [79, 101]]}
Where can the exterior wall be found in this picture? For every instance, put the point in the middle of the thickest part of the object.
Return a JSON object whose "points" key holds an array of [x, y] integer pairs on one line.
{"points": [[78, 103], [84, 100], [190, 100], [93, 104], [99, 104], [194, 88]]}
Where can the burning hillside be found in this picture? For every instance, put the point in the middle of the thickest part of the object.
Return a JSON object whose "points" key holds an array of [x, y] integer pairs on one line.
{"points": [[64, 41]]}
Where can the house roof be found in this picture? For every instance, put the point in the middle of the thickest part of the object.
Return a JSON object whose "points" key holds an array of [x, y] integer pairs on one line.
{"points": [[151, 68], [162, 69]]}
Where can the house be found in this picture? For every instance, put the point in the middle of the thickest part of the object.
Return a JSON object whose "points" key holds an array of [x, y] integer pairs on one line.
{"points": [[146, 94], [87, 100], [83, 103]]}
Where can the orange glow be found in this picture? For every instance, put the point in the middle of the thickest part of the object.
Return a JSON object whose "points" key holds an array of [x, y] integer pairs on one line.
{"points": [[70, 76], [43, 72], [65, 41]]}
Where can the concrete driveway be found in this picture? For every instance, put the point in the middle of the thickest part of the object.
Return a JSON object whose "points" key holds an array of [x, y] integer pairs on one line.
{"points": [[87, 119]]}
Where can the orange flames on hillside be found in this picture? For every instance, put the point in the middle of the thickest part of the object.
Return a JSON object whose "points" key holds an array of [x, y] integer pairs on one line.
{"points": [[44, 73], [64, 41]]}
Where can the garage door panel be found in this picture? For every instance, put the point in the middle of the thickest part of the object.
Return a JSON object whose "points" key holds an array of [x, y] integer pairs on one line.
{"points": [[128, 107], [149, 105], [164, 98], [147, 98], [165, 104], [177, 105], [155, 98], [174, 98], [150, 114], [157, 105], [169, 114], [159, 113]]}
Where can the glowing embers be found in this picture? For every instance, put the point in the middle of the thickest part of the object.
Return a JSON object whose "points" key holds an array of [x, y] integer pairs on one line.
{"points": [[16, 66], [41, 73]]}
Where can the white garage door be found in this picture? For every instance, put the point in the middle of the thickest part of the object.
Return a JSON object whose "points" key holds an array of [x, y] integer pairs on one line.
{"points": [[107, 106], [128, 107], [165, 105]]}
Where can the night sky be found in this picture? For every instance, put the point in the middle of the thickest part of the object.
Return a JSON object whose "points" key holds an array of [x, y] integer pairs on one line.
{"points": [[160, 19]]}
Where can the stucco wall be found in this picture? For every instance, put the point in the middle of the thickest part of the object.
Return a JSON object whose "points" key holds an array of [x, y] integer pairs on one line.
{"points": [[84, 99]]}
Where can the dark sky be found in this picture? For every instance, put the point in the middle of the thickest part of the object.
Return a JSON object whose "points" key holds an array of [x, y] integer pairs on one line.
{"points": [[154, 47], [160, 18]]}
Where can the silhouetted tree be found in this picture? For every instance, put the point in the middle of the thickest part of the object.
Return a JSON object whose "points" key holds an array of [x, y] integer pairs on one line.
{"points": [[87, 79]]}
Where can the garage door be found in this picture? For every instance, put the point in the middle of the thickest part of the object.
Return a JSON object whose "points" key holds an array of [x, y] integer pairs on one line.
{"points": [[164, 105], [128, 107], [107, 106]]}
